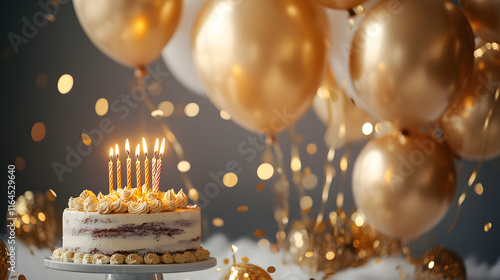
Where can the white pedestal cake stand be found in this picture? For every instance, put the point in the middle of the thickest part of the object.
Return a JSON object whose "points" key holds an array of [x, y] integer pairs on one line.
{"points": [[130, 272]]}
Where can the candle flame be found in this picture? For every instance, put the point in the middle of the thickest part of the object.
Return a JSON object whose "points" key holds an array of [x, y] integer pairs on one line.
{"points": [[127, 148], [137, 151], [144, 146], [162, 148], [117, 151], [111, 154], [156, 147]]}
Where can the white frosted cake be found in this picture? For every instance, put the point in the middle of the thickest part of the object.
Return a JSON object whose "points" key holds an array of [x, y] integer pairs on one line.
{"points": [[131, 227]]}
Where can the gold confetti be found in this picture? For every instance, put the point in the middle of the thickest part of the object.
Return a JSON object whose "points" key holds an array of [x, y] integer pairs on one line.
{"points": [[86, 139], [487, 227], [242, 208], [38, 132], [259, 233], [218, 222], [226, 261], [50, 195], [65, 83], [234, 248], [260, 186], [244, 259], [431, 265], [472, 178], [478, 188], [378, 260], [101, 106], [311, 148], [19, 163], [218, 268], [271, 269], [461, 199]]}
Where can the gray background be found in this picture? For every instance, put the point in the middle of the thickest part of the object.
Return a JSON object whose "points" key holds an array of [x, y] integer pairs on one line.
{"points": [[209, 142]]}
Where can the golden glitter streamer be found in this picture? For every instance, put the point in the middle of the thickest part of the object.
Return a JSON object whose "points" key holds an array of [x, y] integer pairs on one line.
{"points": [[281, 197], [297, 173], [329, 171], [166, 130], [475, 172]]}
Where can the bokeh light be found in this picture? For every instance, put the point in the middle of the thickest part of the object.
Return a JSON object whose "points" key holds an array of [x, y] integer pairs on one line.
{"points": [[367, 128], [193, 194], [101, 106], [264, 243], [167, 108], [65, 83], [230, 179], [265, 171], [310, 181], [306, 203], [41, 81], [38, 132], [225, 115], [191, 109], [311, 148], [260, 186], [487, 227], [183, 166], [19, 163], [242, 208]]}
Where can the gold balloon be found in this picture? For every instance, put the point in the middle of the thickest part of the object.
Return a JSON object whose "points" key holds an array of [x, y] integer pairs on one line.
{"points": [[404, 184], [261, 60], [4, 259], [463, 122], [344, 120], [409, 60], [246, 271], [440, 264], [484, 17], [131, 32], [340, 4]]}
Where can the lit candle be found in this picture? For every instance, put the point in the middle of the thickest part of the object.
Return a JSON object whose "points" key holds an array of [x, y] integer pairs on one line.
{"points": [[146, 163], [129, 166], [110, 167], [138, 168], [158, 165], [153, 163], [118, 168]]}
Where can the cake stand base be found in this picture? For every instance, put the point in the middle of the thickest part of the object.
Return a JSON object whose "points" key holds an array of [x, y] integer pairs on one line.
{"points": [[130, 272], [156, 276]]}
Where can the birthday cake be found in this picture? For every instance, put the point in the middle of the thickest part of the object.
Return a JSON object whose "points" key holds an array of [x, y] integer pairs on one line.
{"points": [[131, 226]]}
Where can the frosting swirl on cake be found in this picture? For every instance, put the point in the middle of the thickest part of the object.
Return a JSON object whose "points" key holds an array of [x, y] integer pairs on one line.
{"points": [[117, 259], [133, 201], [151, 259], [181, 200], [134, 259], [138, 207]]}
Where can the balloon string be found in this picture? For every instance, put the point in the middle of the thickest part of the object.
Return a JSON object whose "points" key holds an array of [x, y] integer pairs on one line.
{"points": [[475, 172], [281, 214], [296, 165], [192, 192]]}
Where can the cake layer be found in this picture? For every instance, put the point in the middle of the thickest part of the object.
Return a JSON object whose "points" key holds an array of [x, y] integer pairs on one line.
{"points": [[126, 233]]}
